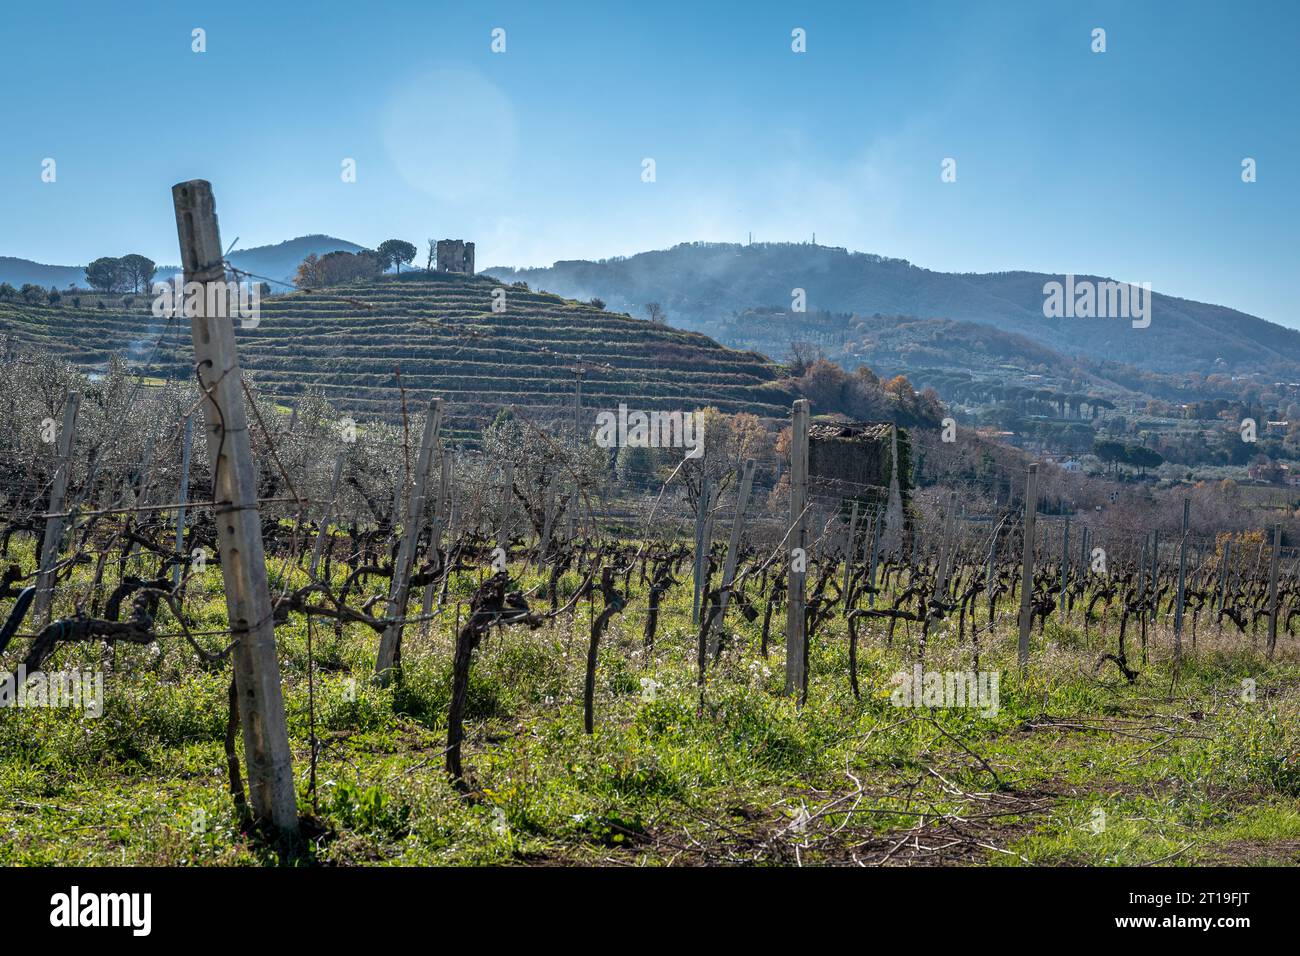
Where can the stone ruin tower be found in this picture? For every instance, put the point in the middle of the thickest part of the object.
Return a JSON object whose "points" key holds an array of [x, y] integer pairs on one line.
{"points": [[456, 255]]}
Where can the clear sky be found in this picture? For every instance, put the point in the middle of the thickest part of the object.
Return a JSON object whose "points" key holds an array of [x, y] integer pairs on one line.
{"points": [[1125, 163]]}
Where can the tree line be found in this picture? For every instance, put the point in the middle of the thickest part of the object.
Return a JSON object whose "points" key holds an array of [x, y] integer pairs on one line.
{"points": [[30, 292], [337, 267], [1116, 453]]}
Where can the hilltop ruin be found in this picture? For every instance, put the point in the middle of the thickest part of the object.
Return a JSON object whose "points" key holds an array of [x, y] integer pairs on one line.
{"points": [[456, 255]]}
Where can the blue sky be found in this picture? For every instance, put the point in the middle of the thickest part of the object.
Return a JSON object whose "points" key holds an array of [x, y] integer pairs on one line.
{"points": [[1125, 163]]}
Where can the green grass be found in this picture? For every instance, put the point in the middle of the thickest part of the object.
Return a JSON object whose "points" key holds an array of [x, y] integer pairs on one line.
{"points": [[1185, 771]]}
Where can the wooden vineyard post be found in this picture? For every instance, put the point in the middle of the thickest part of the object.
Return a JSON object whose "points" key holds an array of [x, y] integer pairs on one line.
{"points": [[44, 601], [796, 646], [399, 489], [503, 529], [142, 490], [1272, 589], [577, 405], [1223, 581], [452, 525], [400, 589], [946, 553], [435, 540], [1182, 582], [708, 544], [989, 579], [701, 521], [323, 532], [548, 523], [1065, 570], [733, 555], [875, 552], [239, 531], [848, 556], [1027, 569], [1085, 570], [182, 498], [1142, 576], [1155, 576]]}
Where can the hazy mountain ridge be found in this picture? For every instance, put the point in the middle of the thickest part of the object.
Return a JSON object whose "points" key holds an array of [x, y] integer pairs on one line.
{"points": [[709, 286], [704, 284], [278, 262], [19, 272]]}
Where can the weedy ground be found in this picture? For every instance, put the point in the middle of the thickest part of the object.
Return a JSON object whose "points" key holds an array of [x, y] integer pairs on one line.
{"points": [[1077, 766]]}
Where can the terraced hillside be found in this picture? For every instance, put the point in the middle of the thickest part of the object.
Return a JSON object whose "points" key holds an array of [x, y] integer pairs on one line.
{"points": [[347, 341]]}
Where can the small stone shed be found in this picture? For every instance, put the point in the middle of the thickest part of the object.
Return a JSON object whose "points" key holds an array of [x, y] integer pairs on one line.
{"points": [[850, 460]]}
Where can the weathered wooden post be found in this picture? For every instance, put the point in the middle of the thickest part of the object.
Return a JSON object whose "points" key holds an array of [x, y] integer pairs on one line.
{"points": [[453, 506], [1085, 570], [182, 498], [1142, 575], [1272, 589], [507, 487], [400, 589], [796, 644], [1085, 562], [323, 531], [548, 522], [989, 579], [239, 532], [733, 555], [875, 555], [701, 546], [848, 555], [1155, 574], [946, 554], [1065, 571], [1182, 581], [1027, 569], [708, 544], [141, 493], [1223, 580], [435, 540], [54, 524]]}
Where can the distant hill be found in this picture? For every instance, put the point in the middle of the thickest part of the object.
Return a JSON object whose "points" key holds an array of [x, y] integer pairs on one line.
{"points": [[18, 272], [281, 260], [347, 341], [706, 285], [278, 262], [889, 344]]}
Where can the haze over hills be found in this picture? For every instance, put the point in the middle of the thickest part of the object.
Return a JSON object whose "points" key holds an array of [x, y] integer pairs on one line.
{"points": [[278, 262], [706, 285], [880, 311], [19, 272]]}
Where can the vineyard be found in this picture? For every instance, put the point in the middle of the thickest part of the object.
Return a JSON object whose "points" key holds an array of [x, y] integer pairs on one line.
{"points": [[348, 639]]}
